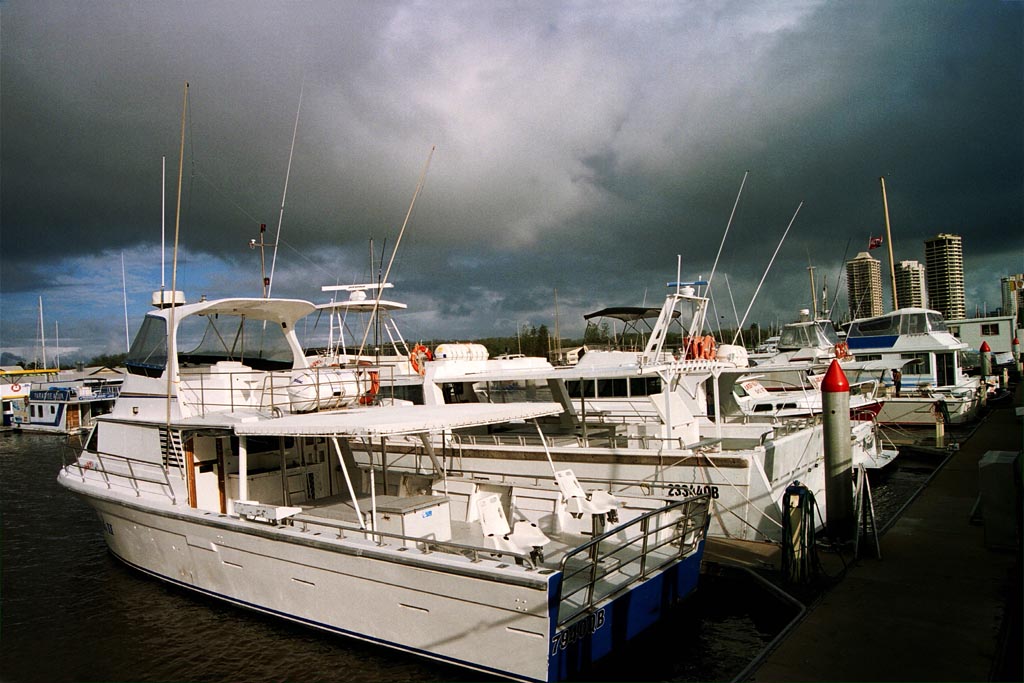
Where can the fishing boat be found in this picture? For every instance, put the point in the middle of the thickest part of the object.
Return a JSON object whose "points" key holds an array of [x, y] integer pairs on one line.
{"points": [[915, 343], [227, 467], [646, 422]]}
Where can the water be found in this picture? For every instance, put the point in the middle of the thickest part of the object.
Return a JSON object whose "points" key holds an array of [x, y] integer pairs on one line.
{"points": [[69, 611]]}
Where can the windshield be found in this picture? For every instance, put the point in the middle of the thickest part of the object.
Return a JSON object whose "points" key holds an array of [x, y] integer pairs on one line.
{"points": [[148, 353], [259, 344]]}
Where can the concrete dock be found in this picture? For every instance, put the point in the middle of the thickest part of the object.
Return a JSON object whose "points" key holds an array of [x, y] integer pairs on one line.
{"points": [[938, 606]]}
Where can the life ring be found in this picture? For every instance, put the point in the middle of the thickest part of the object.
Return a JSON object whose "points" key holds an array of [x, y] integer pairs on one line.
{"points": [[317, 362], [420, 351], [842, 350], [693, 348], [708, 348], [15, 388], [370, 394]]}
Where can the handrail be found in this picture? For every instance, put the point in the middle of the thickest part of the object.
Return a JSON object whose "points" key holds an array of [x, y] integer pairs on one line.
{"points": [[113, 478], [687, 531], [428, 544]]}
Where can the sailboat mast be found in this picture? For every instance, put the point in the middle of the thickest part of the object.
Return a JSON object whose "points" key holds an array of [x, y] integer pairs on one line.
{"points": [[124, 296], [42, 331], [814, 293], [888, 241]]}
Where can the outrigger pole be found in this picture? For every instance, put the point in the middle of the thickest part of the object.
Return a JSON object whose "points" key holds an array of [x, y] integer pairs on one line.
{"points": [[284, 195]]}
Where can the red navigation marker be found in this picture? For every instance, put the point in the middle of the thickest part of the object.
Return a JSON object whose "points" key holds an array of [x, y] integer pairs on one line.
{"points": [[835, 380]]}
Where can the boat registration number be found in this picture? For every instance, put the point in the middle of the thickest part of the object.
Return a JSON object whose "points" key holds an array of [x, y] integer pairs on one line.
{"points": [[577, 631], [692, 490]]}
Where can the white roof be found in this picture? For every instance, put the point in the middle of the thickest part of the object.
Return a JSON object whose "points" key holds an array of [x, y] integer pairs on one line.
{"points": [[277, 310], [396, 420]]}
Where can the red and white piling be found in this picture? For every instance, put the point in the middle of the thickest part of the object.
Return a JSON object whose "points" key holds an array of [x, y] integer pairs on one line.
{"points": [[836, 430], [985, 351]]}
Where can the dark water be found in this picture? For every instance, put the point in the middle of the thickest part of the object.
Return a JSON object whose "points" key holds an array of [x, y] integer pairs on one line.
{"points": [[70, 612]]}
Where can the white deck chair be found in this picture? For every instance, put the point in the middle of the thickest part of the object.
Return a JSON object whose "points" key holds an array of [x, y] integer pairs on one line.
{"points": [[578, 501], [525, 538]]}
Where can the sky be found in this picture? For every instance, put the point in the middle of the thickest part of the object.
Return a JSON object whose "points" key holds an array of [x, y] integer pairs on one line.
{"points": [[577, 152]]}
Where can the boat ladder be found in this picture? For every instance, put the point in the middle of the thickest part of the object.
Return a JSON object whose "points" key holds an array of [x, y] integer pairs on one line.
{"points": [[174, 454]]}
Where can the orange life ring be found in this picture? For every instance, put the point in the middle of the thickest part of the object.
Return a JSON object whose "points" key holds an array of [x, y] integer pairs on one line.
{"points": [[708, 347], [693, 348], [420, 351], [15, 387], [842, 350]]}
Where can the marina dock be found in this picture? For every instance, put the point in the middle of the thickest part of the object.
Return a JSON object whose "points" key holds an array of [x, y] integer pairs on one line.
{"points": [[940, 604]]}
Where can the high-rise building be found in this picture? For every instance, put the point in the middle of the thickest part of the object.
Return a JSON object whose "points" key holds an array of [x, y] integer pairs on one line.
{"points": [[864, 286], [1012, 289], [910, 285], [944, 266]]}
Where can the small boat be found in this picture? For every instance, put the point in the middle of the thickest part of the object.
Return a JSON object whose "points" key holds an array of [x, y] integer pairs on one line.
{"points": [[68, 403], [226, 467]]}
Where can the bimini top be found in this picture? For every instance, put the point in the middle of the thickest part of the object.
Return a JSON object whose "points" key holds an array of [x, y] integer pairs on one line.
{"points": [[628, 313], [396, 420], [275, 310]]}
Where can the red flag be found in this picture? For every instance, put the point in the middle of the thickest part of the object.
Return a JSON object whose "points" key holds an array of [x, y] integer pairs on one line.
{"points": [[874, 242]]}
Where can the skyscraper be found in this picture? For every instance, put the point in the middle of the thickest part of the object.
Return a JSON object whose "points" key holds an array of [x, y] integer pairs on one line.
{"points": [[864, 286], [1012, 289], [944, 265], [910, 285]]}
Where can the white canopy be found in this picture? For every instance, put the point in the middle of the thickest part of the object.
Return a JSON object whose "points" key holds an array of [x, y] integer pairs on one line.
{"points": [[396, 420]]}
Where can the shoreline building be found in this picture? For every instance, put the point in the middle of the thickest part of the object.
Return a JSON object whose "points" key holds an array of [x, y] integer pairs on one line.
{"points": [[1012, 289], [944, 266], [864, 286], [911, 291]]}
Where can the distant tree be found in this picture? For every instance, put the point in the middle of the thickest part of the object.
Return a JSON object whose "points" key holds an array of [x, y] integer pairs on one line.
{"points": [[110, 360]]}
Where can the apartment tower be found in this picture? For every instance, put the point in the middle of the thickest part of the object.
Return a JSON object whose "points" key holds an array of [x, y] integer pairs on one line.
{"points": [[864, 286], [944, 267], [1012, 289], [910, 285]]}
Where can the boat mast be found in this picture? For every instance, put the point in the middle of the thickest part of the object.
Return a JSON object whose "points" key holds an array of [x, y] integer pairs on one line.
{"points": [[814, 293], [42, 331], [171, 333], [284, 195], [124, 296], [888, 241]]}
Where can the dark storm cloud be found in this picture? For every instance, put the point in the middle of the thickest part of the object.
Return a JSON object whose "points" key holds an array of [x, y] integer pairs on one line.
{"points": [[579, 147]]}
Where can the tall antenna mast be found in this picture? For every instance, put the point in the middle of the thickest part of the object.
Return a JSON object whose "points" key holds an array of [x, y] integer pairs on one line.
{"points": [[171, 332], [284, 195], [124, 296], [394, 252], [163, 221], [42, 331], [888, 241]]}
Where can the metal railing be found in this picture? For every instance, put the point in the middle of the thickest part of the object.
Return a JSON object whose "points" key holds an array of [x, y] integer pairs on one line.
{"points": [[662, 537], [207, 391], [132, 475]]}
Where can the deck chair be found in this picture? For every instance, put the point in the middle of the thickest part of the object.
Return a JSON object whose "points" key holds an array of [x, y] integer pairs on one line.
{"points": [[525, 538], [580, 502]]}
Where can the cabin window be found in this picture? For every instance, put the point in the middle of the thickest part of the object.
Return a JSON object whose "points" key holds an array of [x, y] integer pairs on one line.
{"points": [[53, 410], [936, 322], [869, 356], [876, 327], [609, 388], [148, 353], [920, 363], [913, 323], [644, 386], [990, 329]]}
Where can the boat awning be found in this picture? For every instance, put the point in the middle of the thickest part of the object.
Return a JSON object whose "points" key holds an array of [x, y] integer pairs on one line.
{"points": [[396, 420], [628, 313]]}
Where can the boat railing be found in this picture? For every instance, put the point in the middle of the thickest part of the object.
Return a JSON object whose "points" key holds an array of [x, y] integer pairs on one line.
{"points": [[120, 471], [212, 389], [313, 524], [608, 564], [604, 436]]}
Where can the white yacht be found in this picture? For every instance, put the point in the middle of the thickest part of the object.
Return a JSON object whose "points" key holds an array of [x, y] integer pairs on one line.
{"points": [[646, 422], [933, 385], [228, 467]]}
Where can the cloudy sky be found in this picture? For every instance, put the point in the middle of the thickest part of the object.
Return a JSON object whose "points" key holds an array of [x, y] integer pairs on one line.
{"points": [[580, 147]]}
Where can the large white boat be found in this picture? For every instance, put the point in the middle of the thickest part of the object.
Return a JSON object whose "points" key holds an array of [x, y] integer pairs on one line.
{"points": [[227, 467], [650, 422], [916, 343]]}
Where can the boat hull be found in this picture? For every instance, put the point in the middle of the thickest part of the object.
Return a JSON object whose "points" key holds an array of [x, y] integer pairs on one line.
{"points": [[490, 617]]}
